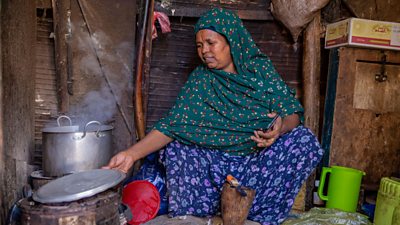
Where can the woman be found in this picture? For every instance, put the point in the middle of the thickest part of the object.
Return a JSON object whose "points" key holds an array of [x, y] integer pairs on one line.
{"points": [[216, 128]]}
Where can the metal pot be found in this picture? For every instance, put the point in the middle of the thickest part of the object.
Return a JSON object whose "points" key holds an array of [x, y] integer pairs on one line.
{"points": [[67, 150]]}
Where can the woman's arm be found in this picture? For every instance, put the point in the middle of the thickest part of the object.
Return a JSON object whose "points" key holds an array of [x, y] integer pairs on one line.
{"points": [[289, 123], [152, 142], [281, 126]]}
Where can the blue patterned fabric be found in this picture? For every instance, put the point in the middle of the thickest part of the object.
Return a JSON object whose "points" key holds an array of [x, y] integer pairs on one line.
{"points": [[195, 176]]}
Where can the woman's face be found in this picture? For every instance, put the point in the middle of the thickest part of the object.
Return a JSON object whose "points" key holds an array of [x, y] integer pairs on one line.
{"points": [[214, 51]]}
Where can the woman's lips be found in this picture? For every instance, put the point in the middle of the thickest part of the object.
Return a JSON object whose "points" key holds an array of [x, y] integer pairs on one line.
{"points": [[209, 59]]}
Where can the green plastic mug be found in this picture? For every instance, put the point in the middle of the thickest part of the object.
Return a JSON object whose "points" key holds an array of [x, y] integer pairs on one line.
{"points": [[343, 188]]}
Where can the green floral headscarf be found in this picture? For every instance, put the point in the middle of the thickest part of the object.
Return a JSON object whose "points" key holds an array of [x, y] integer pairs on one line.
{"points": [[220, 110]]}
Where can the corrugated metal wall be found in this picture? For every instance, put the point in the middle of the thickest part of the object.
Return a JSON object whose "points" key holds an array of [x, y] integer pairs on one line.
{"points": [[45, 79], [94, 71]]}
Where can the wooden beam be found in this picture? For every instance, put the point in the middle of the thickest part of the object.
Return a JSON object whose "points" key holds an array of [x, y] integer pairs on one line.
{"points": [[311, 98], [385, 10], [62, 43], [17, 143], [3, 211], [187, 11], [142, 54], [43, 4], [311, 74]]}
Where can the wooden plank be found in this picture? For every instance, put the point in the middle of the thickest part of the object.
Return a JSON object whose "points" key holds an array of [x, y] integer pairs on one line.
{"points": [[329, 104], [3, 201], [311, 74], [43, 4], [311, 98], [190, 10], [386, 10], [362, 138], [17, 104], [62, 42], [366, 88]]}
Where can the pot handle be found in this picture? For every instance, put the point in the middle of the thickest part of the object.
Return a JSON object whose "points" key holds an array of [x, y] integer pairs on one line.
{"points": [[91, 122], [66, 117]]}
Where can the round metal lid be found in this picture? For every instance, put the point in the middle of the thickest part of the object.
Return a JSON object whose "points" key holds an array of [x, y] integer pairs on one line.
{"points": [[78, 185]]}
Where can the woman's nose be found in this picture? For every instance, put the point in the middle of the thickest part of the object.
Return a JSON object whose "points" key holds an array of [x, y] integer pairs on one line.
{"points": [[204, 49]]}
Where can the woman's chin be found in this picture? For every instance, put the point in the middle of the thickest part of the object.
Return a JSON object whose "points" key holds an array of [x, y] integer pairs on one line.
{"points": [[211, 66]]}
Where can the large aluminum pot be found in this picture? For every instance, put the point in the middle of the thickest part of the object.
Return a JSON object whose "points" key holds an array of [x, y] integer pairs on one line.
{"points": [[67, 150]]}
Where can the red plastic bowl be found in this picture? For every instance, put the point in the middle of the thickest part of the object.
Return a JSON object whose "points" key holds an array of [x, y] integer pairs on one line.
{"points": [[143, 199]]}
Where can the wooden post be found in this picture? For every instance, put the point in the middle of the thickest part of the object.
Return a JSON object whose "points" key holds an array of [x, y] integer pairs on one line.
{"points": [[140, 60], [3, 211], [147, 64], [63, 57], [311, 98], [17, 132], [311, 74]]}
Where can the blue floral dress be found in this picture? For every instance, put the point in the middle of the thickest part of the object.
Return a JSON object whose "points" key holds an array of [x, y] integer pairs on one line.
{"points": [[212, 121], [195, 176]]}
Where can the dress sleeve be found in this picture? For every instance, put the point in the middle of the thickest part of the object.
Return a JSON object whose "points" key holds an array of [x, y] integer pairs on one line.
{"points": [[286, 103], [282, 97]]}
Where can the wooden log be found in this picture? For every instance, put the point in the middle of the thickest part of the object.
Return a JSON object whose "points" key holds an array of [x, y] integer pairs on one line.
{"points": [[311, 74], [147, 64], [140, 60], [62, 42], [311, 98], [235, 207]]}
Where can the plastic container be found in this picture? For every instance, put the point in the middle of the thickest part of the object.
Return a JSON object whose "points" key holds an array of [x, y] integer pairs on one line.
{"points": [[317, 201], [143, 199], [396, 216], [387, 202], [343, 188]]}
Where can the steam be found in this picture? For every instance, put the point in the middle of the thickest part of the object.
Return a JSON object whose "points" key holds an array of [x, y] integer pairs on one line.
{"points": [[109, 70], [96, 105]]}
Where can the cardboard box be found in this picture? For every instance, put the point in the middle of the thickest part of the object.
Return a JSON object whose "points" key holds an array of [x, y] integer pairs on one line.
{"points": [[363, 33]]}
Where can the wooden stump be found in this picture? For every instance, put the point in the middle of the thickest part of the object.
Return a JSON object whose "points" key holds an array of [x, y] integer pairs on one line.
{"points": [[235, 207]]}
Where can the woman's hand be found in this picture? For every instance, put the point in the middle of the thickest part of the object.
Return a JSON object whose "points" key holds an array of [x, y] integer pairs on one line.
{"points": [[122, 161], [266, 138], [152, 142]]}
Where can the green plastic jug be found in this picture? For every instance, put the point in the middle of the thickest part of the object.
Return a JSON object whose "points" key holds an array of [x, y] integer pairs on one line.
{"points": [[343, 188], [388, 202]]}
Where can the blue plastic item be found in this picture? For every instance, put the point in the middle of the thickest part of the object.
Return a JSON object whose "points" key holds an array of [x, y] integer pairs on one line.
{"points": [[153, 171]]}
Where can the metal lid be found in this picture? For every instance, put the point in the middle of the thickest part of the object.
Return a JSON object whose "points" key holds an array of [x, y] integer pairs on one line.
{"points": [[78, 185]]}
